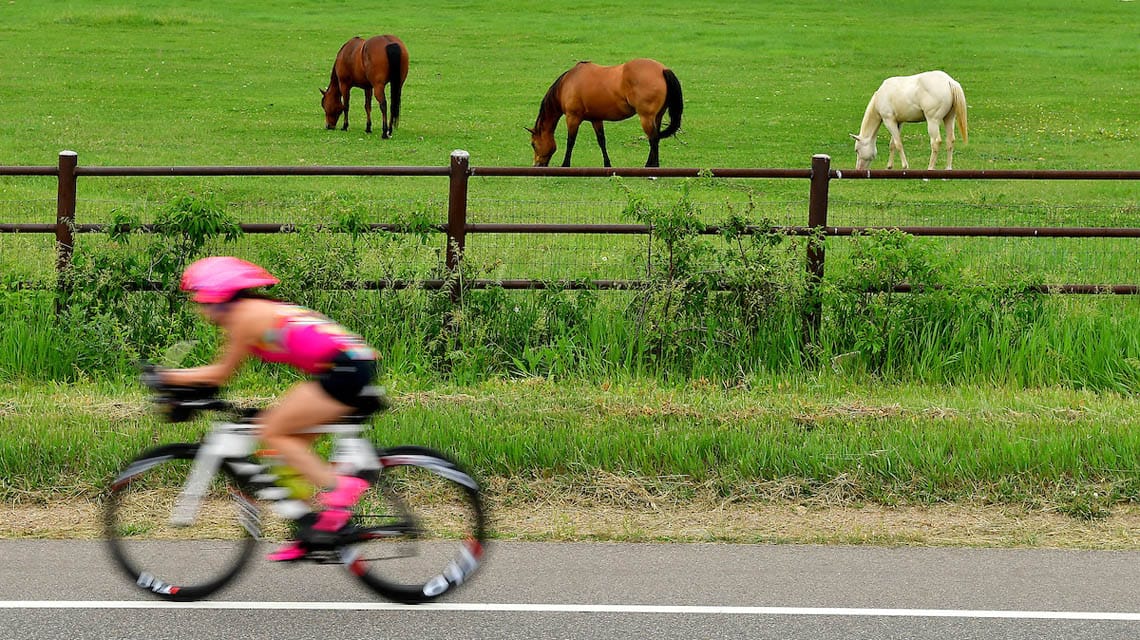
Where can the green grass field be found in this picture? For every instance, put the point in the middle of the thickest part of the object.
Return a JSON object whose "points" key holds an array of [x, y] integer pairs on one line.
{"points": [[766, 85], [1043, 415]]}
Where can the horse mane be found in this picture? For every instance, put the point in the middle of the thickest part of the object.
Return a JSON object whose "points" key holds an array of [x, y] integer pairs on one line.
{"points": [[334, 79], [871, 117], [550, 109]]}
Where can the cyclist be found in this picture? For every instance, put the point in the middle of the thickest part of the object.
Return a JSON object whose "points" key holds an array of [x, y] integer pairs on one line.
{"points": [[340, 364]]}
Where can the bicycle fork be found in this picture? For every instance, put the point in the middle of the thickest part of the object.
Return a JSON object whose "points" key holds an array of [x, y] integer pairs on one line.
{"points": [[231, 446]]}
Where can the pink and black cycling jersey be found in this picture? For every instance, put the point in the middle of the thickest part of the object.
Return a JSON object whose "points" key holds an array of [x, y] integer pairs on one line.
{"points": [[308, 340]]}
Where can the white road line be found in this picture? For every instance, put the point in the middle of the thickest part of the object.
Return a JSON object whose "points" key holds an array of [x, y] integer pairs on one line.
{"points": [[573, 608]]}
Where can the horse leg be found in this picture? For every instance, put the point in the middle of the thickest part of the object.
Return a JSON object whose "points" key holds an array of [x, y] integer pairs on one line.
{"points": [[949, 124], [571, 135], [896, 145], [600, 132], [935, 142], [368, 109], [651, 125], [344, 94], [652, 160], [385, 130]]}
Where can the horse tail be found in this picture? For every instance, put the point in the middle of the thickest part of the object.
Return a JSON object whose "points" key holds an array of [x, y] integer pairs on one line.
{"points": [[960, 110], [673, 102], [395, 78]]}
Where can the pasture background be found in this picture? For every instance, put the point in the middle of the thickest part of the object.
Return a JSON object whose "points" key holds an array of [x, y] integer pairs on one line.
{"points": [[766, 85]]}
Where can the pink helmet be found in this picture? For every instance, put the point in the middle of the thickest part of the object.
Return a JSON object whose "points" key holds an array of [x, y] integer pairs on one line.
{"points": [[217, 279]]}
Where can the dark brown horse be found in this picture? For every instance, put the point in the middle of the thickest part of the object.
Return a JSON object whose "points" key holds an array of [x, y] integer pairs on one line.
{"points": [[369, 65], [595, 94]]}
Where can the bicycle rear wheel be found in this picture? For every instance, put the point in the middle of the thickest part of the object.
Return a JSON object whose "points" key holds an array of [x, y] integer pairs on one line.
{"points": [[177, 561], [420, 529]]}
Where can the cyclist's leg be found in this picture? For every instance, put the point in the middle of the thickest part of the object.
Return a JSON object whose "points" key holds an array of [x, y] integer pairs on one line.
{"points": [[341, 384], [306, 405]]}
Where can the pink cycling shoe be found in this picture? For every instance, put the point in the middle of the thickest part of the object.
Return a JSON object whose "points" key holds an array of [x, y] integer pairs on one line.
{"points": [[339, 502], [288, 552], [347, 491]]}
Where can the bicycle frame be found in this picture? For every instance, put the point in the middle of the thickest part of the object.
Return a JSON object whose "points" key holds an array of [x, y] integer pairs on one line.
{"points": [[233, 443]]}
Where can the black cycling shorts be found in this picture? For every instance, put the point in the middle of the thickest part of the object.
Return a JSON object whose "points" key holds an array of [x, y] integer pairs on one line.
{"points": [[346, 378]]}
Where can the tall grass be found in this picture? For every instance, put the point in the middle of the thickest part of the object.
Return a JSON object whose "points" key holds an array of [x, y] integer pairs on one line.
{"points": [[827, 441], [956, 331]]}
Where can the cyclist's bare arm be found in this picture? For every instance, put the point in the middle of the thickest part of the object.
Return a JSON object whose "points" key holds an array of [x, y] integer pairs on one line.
{"points": [[241, 329]]}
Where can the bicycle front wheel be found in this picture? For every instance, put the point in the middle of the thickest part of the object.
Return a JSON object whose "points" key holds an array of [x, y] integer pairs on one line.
{"points": [[420, 529], [171, 546]]}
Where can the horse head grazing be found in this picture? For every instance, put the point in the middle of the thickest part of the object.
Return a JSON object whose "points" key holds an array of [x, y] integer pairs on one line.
{"points": [[865, 151], [331, 103], [542, 135], [542, 142]]}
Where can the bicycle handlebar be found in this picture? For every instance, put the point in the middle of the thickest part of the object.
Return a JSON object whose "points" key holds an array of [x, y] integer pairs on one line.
{"points": [[181, 402], [177, 407]]}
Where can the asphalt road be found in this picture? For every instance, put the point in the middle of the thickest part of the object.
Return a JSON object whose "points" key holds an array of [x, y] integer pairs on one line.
{"points": [[68, 589]]}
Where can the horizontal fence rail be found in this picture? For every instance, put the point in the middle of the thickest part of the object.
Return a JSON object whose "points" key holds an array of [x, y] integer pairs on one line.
{"points": [[457, 227]]}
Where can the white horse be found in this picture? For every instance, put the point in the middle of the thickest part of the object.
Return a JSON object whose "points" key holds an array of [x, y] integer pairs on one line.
{"points": [[932, 96]]}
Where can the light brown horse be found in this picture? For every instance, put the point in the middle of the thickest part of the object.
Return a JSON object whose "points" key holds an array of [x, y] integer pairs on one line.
{"points": [[367, 64], [592, 93]]}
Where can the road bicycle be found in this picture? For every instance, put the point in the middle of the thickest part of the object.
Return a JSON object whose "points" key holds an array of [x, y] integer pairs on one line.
{"points": [[183, 519]]}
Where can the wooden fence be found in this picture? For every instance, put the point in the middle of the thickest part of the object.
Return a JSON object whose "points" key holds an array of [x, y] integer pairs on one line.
{"points": [[457, 228]]}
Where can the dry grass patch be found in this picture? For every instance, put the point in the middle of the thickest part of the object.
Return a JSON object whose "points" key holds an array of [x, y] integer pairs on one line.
{"points": [[701, 521], [942, 525]]}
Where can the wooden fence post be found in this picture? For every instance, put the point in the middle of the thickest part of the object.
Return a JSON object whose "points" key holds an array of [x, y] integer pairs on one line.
{"points": [[64, 223], [457, 218], [817, 222]]}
